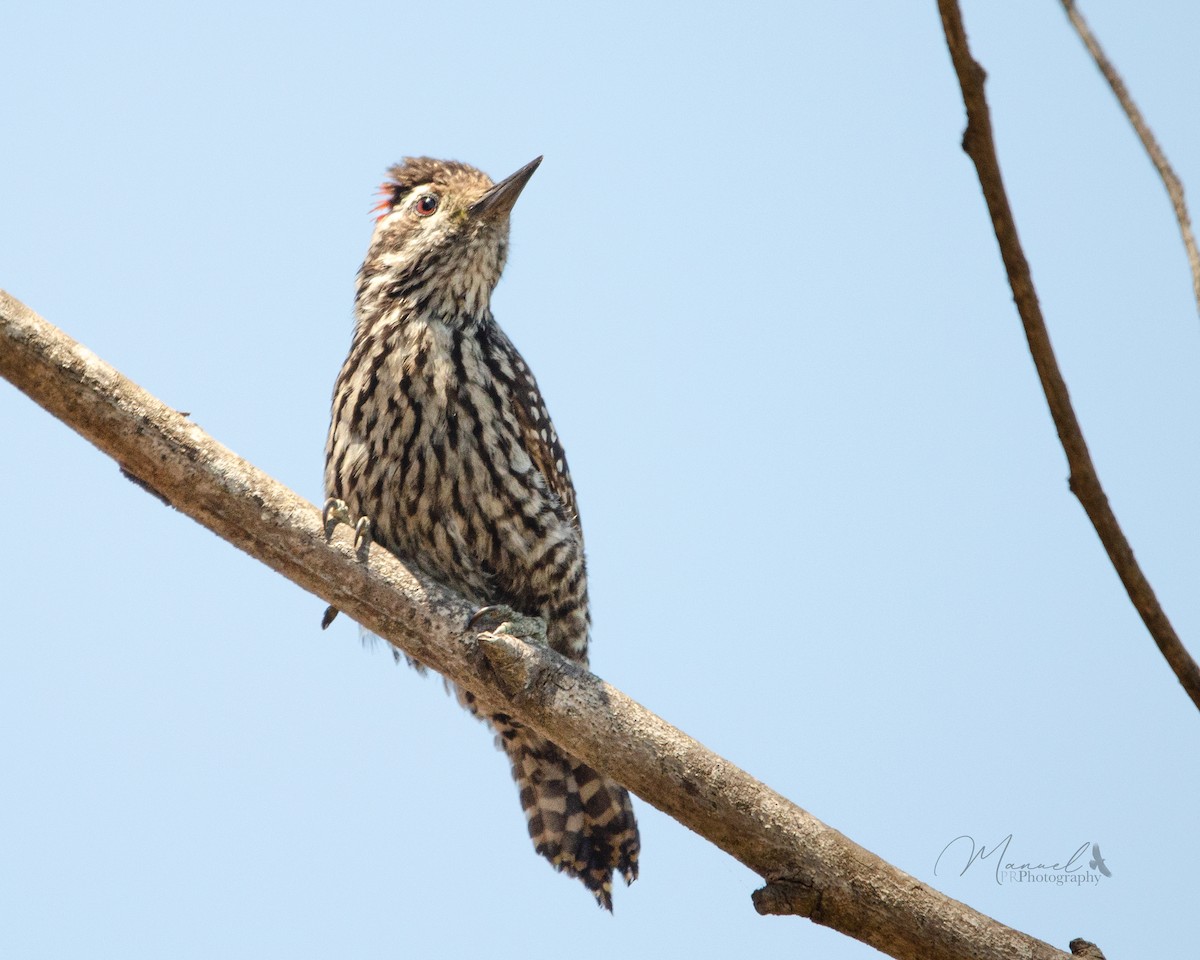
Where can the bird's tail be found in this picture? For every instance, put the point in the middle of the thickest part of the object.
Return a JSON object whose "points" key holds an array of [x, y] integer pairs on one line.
{"points": [[580, 821]]}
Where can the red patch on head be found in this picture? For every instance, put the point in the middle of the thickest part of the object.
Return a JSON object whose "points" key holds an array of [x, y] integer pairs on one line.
{"points": [[389, 193]]}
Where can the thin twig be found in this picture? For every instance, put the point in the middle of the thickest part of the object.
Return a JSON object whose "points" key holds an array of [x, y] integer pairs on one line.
{"points": [[1146, 135], [1084, 482], [810, 868]]}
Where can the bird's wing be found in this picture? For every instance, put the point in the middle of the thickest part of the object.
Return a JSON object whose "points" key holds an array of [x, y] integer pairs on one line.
{"points": [[538, 436]]}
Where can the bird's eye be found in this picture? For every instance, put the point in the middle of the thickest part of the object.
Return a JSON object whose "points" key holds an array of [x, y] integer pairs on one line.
{"points": [[426, 205]]}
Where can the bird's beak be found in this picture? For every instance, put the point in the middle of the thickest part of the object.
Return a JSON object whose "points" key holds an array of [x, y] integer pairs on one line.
{"points": [[498, 201]]}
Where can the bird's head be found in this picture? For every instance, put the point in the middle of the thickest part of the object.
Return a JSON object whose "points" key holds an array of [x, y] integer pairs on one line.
{"points": [[440, 241]]}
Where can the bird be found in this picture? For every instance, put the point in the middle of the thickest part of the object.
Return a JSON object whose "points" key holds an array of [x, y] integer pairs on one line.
{"points": [[441, 445], [1097, 861]]}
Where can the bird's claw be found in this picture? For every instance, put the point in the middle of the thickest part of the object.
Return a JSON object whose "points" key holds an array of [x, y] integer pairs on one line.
{"points": [[363, 537], [336, 511], [499, 618]]}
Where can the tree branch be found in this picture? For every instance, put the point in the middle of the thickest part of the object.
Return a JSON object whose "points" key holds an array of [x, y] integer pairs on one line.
{"points": [[1084, 481], [1146, 135], [811, 869]]}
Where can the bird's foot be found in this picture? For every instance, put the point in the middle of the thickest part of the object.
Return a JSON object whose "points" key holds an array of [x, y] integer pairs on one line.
{"points": [[335, 512], [503, 619]]}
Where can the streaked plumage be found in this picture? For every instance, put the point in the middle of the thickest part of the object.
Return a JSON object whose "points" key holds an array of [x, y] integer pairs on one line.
{"points": [[440, 436]]}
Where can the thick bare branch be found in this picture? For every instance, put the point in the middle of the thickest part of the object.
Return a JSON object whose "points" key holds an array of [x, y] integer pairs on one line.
{"points": [[1146, 135], [812, 869], [1084, 481]]}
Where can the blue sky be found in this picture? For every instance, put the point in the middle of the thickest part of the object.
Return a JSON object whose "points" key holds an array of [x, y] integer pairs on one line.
{"points": [[827, 515]]}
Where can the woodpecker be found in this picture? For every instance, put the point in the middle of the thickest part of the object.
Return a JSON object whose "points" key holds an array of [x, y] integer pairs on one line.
{"points": [[441, 442]]}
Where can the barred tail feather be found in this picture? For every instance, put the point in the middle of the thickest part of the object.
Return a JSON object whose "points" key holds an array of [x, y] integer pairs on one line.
{"points": [[580, 821]]}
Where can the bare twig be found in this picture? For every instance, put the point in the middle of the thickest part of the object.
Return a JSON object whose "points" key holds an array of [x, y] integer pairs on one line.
{"points": [[1084, 482], [843, 886], [1146, 135]]}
